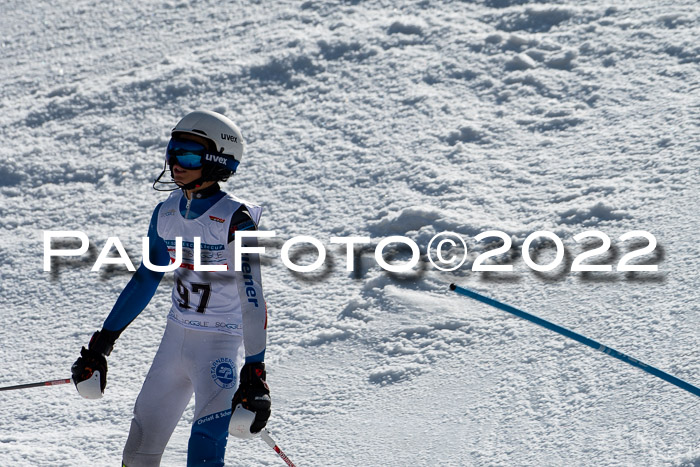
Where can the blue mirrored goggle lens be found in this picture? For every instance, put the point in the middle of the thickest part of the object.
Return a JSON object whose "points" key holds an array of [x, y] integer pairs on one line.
{"points": [[187, 154], [189, 161]]}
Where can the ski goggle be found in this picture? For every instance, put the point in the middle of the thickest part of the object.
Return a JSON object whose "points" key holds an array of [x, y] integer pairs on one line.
{"points": [[192, 155], [187, 154]]}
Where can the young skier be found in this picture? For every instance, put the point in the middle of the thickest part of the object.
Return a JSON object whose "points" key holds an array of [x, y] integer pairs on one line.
{"points": [[216, 328]]}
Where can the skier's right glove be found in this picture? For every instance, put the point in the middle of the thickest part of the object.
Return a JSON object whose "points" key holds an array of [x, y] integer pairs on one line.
{"points": [[90, 369]]}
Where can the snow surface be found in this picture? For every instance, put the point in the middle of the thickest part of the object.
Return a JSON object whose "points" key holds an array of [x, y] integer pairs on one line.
{"points": [[369, 118]]}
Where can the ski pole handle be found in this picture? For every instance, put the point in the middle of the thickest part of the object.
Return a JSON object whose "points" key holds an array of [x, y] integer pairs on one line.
{"points": [[34, 385], [265, 435]]}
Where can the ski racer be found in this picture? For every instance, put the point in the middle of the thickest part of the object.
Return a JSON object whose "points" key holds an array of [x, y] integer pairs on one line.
{"points": [[215, 337]]}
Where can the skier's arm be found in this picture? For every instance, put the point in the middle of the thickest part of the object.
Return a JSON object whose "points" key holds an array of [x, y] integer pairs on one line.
{"points": [[90, 370], [253, 393], [142, 286], [249, 282]]}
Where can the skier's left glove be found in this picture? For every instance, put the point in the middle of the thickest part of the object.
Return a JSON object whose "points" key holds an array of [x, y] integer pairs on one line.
{"points": [[253, 395], [90, 369]]}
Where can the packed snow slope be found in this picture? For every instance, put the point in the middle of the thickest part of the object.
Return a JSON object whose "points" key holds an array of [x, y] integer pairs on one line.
{"points": [[372, 119]]}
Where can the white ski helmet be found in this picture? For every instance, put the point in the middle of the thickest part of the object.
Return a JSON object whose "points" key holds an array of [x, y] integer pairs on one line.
{"points": [[220, 150], [218, 129]]}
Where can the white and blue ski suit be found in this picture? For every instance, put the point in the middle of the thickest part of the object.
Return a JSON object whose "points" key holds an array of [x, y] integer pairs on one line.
{"points": [[217, 321]]}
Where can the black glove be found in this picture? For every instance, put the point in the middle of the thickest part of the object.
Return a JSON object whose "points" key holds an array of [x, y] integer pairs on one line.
{"points": [[254, 394], [93, 358]]}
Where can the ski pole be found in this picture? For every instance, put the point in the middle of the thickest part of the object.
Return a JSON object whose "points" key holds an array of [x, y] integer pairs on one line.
{"points": [[265, 435], [577, 337], [34, 385]]}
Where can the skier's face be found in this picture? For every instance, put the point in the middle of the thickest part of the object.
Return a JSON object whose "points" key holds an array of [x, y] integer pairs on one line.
{"points": [[182, 175], [185, 176]]}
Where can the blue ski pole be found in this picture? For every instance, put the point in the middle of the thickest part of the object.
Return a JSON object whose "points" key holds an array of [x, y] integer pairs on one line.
{"points": [[577, 337]]}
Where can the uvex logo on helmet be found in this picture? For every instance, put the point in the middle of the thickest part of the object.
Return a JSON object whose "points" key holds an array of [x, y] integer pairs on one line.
{"points": [[229, 137], [218, 159]]}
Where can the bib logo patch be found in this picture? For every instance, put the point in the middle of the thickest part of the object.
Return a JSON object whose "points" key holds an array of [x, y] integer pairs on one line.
{"points": [[223, 372]]}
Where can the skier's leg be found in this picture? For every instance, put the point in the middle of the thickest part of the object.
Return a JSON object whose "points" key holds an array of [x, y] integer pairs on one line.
{"points": [[215, 379], [159, 406]]}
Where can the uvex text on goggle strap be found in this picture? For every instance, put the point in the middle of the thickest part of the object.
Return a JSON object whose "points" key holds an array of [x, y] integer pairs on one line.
{"points": [[192, 155]]}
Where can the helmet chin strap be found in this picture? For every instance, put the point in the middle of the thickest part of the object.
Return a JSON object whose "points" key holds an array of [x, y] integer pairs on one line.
{"points": [[207, 176], [193, 184]]}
